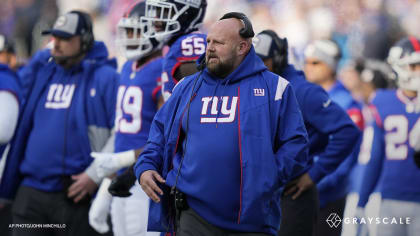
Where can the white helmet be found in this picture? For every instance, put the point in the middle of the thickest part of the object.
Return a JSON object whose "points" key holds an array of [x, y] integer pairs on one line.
{"points": [[131, 40], [404, 53], [166, 19]]}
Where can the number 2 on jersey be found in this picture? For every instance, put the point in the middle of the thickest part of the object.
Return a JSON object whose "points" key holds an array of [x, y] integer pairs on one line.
{"points": [[397, 133]]}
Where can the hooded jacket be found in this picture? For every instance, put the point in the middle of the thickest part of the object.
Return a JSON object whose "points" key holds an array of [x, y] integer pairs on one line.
{"points": [[272, 143], [93, 108], [9, 82], [332, 134]]}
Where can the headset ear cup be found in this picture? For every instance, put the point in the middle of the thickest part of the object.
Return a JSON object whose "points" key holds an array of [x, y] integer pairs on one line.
{"points": [[87, 41], [280, 58], [87, 38]]}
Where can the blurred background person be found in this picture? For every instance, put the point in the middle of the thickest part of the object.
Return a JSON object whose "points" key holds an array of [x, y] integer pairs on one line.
{"points": [[10, 100], [177, 27], [368, 75], [390, 167], [137, 102], [321, 62], [69, 111], [331, 132]]}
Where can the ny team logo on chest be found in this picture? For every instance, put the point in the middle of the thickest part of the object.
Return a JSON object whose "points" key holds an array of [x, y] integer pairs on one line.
{"points": [[59, 96], [228, 112]]}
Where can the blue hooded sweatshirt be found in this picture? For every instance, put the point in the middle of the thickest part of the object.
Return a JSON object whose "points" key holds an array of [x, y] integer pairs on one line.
{"points": [[91, 115], [337, 184], [331, 132], [267, 146]]}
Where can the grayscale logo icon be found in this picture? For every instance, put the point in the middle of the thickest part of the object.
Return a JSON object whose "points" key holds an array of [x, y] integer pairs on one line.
{"points": [[333, 220]]}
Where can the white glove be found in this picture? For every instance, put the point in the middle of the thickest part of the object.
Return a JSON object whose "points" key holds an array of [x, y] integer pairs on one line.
{"points": [[100, 207], [109, 163]]}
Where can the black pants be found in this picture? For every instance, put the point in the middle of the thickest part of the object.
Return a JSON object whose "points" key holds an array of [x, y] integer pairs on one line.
{"points": [[37, 208], [191, 224], [5, 220], [300, 216], [323, 228]]}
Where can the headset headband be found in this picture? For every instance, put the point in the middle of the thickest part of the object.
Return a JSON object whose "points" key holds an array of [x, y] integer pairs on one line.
{"points": [[247, 31]]}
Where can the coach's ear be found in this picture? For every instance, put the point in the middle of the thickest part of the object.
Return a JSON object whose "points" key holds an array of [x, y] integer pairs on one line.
{"points": [[243, 47]]}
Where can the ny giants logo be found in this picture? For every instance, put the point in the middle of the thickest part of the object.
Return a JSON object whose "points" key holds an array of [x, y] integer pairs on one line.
{"points": [[258, 92], [59, 96], [227, 112]]}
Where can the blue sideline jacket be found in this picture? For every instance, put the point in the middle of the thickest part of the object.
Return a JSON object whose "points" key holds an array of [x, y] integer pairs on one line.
{"points": [[272, 143], [93, 108]]}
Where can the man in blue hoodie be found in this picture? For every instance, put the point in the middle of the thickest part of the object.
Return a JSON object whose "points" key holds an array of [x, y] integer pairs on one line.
{"points": [[9, 113], [331, 132], [225, 142], [69, 108]]}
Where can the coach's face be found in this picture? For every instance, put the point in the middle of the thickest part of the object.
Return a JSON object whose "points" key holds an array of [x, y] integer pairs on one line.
{"points": [[65, 47], [222, 47]]}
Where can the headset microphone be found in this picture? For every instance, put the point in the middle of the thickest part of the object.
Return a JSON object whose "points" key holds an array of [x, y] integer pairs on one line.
{"points": [[202, 64]]}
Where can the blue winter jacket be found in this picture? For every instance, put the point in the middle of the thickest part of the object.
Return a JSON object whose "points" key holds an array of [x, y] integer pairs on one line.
{"points": [[273, 144], [94, 108], [331, 132]]}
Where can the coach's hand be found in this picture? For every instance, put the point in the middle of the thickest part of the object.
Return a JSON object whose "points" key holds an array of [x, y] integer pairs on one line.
{"points": [[298, 186], [148, 184], [82, 185]]}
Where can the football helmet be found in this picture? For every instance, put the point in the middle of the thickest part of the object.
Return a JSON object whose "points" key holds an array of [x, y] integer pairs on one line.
{"points": [[166, 19], [130, 39], [404, 53]]}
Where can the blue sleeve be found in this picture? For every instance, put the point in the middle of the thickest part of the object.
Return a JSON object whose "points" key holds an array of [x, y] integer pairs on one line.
{"points": [[152, 157], [28, 73], [374, 165], [329, 118], [109, 80], [291, 144]]}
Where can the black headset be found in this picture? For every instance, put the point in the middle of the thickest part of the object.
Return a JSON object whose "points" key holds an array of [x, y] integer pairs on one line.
{"points": [[247, 31], [281, 54], [87, 39]]}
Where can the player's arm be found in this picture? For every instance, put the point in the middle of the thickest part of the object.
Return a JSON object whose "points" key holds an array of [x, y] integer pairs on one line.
{"points": [[373, 161], [185, 69], [329, 118]]}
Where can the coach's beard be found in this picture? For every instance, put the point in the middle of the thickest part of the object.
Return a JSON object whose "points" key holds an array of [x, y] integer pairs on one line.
{"points": [[68, 61], [220, 69]]}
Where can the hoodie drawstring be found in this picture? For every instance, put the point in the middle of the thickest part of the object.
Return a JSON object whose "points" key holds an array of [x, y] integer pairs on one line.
{"points": [[219, 100]]}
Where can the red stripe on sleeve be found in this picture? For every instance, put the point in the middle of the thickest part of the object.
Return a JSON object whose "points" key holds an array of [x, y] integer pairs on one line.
{"points": [[415, 43]]}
